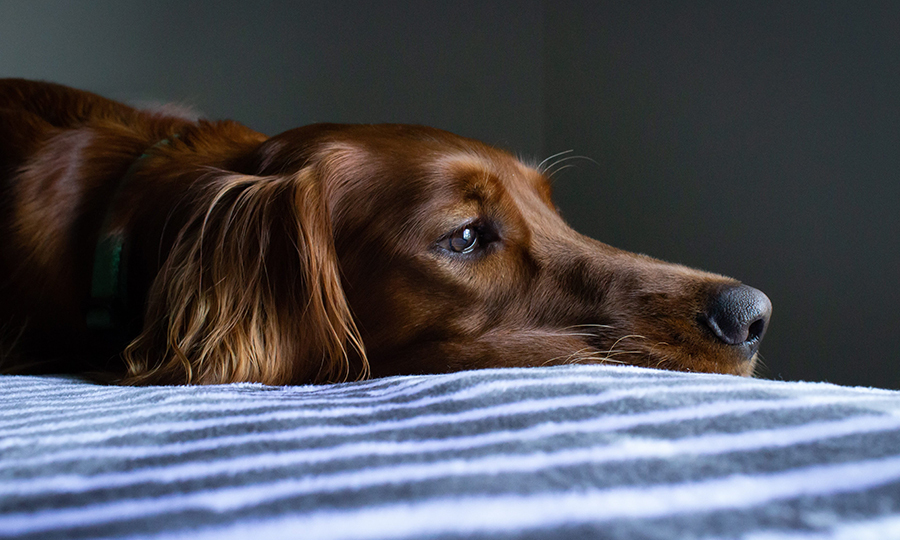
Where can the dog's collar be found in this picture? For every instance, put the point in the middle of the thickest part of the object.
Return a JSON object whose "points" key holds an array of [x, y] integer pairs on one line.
{"points": [[107, 310]]}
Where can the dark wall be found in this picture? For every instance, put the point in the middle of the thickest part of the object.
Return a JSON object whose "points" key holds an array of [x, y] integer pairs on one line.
{"points": [[467, 66], [755, 139]]}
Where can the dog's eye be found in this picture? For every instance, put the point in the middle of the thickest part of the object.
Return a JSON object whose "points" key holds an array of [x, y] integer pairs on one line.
{"points": [[464, 240]]}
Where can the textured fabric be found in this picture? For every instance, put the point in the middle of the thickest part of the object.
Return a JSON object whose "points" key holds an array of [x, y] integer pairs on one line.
{"points": [[549, 453]]}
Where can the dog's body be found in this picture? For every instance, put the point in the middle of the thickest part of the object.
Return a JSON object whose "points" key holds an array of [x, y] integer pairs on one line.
{"points": [[322, 253]]}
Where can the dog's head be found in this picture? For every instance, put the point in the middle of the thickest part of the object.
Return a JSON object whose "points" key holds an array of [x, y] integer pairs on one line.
{"points": [[412, 250]]}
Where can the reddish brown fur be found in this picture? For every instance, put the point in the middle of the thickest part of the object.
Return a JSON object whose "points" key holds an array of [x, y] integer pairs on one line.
{"points": [[316, 255]]}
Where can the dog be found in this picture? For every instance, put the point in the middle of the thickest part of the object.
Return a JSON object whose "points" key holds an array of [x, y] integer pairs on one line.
{"points": [[162, 250]]}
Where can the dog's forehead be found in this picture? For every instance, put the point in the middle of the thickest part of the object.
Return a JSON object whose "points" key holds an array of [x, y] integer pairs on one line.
{"points": [[489, 173], [436, 162], [447, 152]]}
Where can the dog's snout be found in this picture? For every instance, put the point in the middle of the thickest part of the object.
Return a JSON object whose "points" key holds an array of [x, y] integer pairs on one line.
{"points": [[739, 315]]}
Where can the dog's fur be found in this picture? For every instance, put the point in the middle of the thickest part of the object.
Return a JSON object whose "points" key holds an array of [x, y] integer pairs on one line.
{"points": [[324, 253]]}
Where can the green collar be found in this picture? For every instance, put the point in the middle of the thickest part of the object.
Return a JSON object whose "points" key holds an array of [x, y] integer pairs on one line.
{"points": [[108, 308]]}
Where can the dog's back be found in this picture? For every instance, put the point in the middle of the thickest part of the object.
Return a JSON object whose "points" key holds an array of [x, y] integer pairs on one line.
{"points": [[40, 205], [63, 156]]}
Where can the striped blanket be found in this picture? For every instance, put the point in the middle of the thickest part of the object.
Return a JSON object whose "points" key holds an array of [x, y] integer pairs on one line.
{"points": [[547, 453]]}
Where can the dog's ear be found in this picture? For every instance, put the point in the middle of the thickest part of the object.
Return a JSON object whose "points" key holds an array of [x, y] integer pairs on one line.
{"points": [[251, 291]]}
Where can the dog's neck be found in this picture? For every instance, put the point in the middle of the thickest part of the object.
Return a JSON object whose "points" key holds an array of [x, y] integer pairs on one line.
{"points": [[109, 295]]}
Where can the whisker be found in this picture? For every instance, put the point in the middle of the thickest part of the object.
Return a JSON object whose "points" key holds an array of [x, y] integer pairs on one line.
{"points": [[554, 359], [623, 338], [760, 370], [615, 353], [588, 326], [578, 355], [585, 353], [545, 160], [582, 355], [663, 361], [547, 170], [568, 158], [593, 355], [579, 334], [564, 167], [600, 358]]}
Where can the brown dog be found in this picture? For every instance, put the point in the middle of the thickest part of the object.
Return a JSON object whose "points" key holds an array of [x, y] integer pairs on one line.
{"points": [[204, 252]]}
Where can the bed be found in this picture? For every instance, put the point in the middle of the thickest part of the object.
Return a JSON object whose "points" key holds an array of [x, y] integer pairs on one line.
{"points": [[544, 453]]}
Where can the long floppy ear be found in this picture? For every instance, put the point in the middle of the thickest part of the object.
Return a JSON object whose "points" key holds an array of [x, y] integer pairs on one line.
{"points": [[251, 291]]}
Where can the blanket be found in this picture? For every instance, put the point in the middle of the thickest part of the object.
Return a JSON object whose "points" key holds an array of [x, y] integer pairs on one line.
{"points": [[542, 453]]}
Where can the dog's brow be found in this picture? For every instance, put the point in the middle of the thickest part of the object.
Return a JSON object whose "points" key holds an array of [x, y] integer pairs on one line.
{"points": [[465, 163]]}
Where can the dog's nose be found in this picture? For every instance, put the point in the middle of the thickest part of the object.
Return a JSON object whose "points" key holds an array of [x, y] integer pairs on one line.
{"points": [[739, 315]]}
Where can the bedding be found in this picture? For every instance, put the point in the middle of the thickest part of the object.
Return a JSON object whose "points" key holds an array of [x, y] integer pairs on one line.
{"points": [[541, 453]]}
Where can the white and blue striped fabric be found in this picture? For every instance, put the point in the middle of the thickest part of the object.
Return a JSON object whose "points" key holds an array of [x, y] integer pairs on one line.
{"points": [[544, 453]]}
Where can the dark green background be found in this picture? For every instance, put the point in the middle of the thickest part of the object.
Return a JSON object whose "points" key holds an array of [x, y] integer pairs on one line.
{"points": [[756, 139]]}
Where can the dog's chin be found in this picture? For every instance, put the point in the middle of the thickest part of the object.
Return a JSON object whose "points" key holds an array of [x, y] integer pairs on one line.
{"points": [[728, 364], [636, 351], [751, 367]]}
